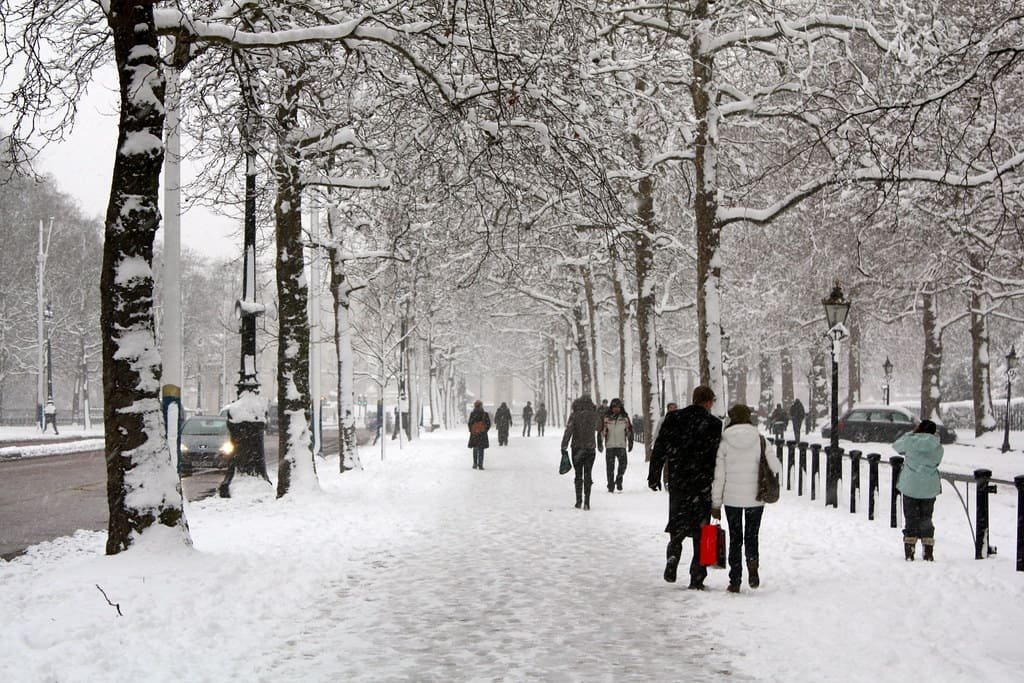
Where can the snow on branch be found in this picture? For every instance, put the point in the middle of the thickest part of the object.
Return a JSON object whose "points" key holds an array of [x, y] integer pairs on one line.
{"points": [[345, 182], [804, 29]]}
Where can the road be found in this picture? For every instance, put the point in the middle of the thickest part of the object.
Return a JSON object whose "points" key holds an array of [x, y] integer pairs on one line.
{"points": [[47, 497]]}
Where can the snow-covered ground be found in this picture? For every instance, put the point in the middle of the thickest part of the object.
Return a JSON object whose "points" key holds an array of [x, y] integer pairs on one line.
{"points": [[420, 568]]}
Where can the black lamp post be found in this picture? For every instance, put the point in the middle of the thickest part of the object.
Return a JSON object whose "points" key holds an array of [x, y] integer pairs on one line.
{"points": [[1011, 367], [887, 369], [837, 308], [662, 358], [48, 319]]}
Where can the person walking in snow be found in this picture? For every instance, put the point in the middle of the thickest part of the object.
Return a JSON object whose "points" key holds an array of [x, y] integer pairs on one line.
{"points": [[737, 466], [479, 424], [688, 442], [583, 432], [541, 418], [503, 420], [638, 426], [796, 416], [50, 416], [527, 418], [778, 421], [617, 431], [919, 483]]}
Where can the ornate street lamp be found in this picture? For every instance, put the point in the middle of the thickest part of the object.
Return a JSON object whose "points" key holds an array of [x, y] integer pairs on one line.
{"points": [[837, 308], [662, 359], [1011, 367], [887, 369]]}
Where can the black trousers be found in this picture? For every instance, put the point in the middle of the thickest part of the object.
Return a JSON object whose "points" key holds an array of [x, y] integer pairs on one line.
{"points": [[478, 457], [526, 427], [918, 514], [796, 429], [583, 464], [743, 540], [610, 456], [540, 429], [680, 504]]}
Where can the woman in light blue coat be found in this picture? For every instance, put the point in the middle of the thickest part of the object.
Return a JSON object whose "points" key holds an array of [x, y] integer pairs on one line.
{"points": [[919, 483]]}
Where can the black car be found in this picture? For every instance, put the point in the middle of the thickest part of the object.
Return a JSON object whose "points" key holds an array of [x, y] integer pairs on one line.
{"points": [[205, 442], [883, 424]]}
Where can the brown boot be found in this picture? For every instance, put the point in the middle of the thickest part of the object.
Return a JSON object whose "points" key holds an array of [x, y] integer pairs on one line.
{"points": [[909, 544], [752, 576], [929, 549]]}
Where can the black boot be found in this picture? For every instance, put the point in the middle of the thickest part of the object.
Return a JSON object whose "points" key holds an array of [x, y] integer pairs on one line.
{"points": [[670, 569], [579, 495], [753, 578], [586, 497], [909, 543], [929, 549]]}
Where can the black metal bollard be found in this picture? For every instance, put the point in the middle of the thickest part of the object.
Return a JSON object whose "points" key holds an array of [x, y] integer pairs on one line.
{"points": [[833, 474], [981, 547], [791, 451], [873, 460], [1018, 481], [854, 480], [802, 469], [815, 468], [896, 462]]}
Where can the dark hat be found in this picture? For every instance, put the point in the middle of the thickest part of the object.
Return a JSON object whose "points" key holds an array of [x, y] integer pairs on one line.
{"points": [[739, 414]]}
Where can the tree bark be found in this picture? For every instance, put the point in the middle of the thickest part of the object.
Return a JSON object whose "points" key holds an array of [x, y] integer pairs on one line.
{"points": [[588, 291], [853, 366], [984, 418], [622, 320], [764, 399], [786, 369], [142, 484], [931, 367], [821, 366], [581, 349]]}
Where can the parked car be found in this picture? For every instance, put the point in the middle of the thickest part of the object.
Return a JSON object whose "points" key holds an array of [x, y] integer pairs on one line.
{"points": [[205, 442], [883, 424]]}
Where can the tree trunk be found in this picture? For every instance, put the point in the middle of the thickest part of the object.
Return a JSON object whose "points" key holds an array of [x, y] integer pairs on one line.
{"points": [[821, 366], [931, 368], [622, 320], [853, 378], [595, 352], [343, 357], [709, 276], [296, 469], [581, 349], [142, 484], [739, 379], [786, 370], [984, 419], [764, 399]]}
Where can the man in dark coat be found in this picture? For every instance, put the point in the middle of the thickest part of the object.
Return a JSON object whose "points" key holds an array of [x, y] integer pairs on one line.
{"points": [[527, 418], [541, 417], [583, 430], [688, 442], [797, 415], [778, 420], [479, 424], [503, 420]]}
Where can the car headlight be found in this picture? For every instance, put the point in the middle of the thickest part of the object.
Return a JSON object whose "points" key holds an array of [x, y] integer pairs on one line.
{"points": [[227, 448], [184, 448]]}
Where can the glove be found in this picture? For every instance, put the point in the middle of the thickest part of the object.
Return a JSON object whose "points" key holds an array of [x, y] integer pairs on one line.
{"points": [[716, 513]]}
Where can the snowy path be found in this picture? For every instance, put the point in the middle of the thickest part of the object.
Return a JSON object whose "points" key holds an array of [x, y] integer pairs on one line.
{"points": [[493, 575]]}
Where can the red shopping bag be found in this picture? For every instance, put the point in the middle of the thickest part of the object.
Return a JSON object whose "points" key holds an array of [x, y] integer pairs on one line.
{"points": [[712, 545]]}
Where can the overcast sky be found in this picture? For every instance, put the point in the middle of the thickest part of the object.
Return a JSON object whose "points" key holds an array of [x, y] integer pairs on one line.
{"points": [[82, 167]]}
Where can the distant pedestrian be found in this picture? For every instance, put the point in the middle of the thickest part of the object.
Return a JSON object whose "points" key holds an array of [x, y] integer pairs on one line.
{"points": [[919, 483], [50, 416], [796, 416], [736, 477], [479, 424], [618, 440], [688, 442], [778, 420], [603, 409], [541, 417], [502, 421], [638, 427], [527, 418], [583, 431]]}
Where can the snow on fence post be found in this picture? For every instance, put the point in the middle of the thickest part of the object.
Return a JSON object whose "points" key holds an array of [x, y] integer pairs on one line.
{"points": [[815, 467], [854, 480], [873, 460], [801, 469], [896, 464], [981, 547], [1018, 481]]}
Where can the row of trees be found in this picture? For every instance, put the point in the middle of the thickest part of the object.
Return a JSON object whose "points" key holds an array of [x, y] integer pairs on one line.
{"points": [[587, 162]]}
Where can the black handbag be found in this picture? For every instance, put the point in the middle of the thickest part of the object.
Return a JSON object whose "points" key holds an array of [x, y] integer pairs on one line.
{"points": [[768, 487], [566, 463]]}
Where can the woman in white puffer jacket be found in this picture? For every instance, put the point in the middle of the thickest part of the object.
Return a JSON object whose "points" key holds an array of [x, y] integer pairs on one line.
{"points": [[735, 487]]}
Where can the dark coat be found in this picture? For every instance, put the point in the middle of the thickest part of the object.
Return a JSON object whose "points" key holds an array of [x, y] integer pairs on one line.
{"points": [[541, 416], [527, 413], [688, 442], [480, 439], [583, 428], [797, 412], [502, 417]]}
